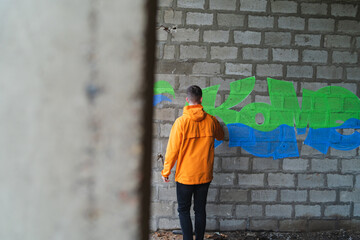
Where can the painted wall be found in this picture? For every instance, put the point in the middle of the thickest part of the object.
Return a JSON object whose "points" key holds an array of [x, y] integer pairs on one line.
{"points": [[283, 78]]}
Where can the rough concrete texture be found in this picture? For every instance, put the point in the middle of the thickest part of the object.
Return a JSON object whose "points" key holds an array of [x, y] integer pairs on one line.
{"points": [[310, 43], [72, 104]]}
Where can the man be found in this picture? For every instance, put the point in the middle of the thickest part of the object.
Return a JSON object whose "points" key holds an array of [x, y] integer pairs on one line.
{"points": [[191, 144]]}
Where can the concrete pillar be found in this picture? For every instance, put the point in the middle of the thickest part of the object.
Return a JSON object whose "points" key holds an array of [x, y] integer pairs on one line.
{"points": [[75, 118]]}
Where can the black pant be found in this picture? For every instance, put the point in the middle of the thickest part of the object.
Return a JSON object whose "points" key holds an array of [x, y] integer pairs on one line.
{"points": [[184, 194]]}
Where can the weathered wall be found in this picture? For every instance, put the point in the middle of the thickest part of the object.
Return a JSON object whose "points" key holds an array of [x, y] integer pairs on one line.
{"points": [[311, 44], [71, 122]]}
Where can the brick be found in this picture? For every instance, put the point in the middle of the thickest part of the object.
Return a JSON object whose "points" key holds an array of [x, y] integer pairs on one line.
{"points": [[212, 194], [283, 6], [277, 38], [314, 56], [230, 20], [322, 25], [353, 73], [293, 226], [311, 180], [238, 69], [357, 182], [296, 165], [349, 26], [193, 52], [254, 180], [153, 224], [169, 52], [329, 72], [199, 4], [194, 18], [233, 195], [293, 23], [187, 81], [352, 224], [349, 166], [255, 54], [223, 4], [165, 3], [211, 224], [265, 164], [162, 209], [263, 225], [343, 153], [357, 210], [344, 10], [324, 165], [350, 196], [337, 180], [260, 22], [269, 70], [337, 211], [358, 42], [223, 52], [281, 180], [322, 225], [314, 8], [165, 130], [231, 224], [206, 68], [337, 41], [245, 211], [168, 194], [172, 17], [216, 36], [185, 35], [344, 57], [219, 210], [285, 55], [247, 37], [307, 211], [307, 40], [284, 211], [263, 195], [161, 35], [299, 72], [166, 114], [223, 179], [169, 224], [253, 5], [235, 163], [322, 196], [293, 195]]}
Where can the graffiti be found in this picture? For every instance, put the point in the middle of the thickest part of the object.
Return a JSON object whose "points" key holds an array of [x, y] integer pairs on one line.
{"points": [[322, 112]]}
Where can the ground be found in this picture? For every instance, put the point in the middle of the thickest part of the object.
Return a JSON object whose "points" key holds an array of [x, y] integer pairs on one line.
{"points": [[330, 235]]}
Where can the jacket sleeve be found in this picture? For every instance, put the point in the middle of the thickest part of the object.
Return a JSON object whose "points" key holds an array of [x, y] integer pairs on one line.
{"points": [[173, 148], [219, 132]]}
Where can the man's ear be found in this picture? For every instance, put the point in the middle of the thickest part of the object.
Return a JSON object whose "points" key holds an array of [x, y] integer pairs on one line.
{"points": [[187, 100], [201, 100]]}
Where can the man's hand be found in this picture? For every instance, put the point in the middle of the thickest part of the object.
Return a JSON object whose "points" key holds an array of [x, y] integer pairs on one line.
{"points": [[165, 179]]}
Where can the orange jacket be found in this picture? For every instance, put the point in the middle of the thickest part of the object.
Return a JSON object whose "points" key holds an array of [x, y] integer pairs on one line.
{"points": [[191, 143]]}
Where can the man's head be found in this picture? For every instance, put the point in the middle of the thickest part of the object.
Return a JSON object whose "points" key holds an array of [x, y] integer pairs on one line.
{"points": [[194, 95]]}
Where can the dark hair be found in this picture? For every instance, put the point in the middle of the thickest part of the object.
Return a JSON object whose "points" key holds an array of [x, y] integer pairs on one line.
{"points": [[194, 93]]}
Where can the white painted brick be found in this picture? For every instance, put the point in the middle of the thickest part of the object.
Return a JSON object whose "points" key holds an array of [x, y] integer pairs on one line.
{"points": [[254, 180], [255, 54], [235, 163], [314, 56], [281, 180], [168, 224], [277, 38], [324, 165], [350, 196], [269, 70], [233, 195], [253, 5], [248, 211], [206, 68], [311, 180], [296, 165], [247, 37], [322, 25], [337, 41], [307, 40], [260, 22], [238, 69], [165, 114], [300, 71], [349, 26], [263, 195], [223, 52], [191, 4], [165, 3], [284, 211], [223, 4], [285, 55], [314, 8], [162, 209], [322, 196], [195, 18], [165, 130], [307, 211], [188, 52], [344, 57], [329, 72], [216, 36], [161, 35], [186, 81], [283, 6], [337, 180], [168, 194], [230, 20], [293, 195], [169, 52], [219, 210], [344, 10], [172, 17], [337, 210], [185, 35], [349, 166], [353, 73], [293, 23]]}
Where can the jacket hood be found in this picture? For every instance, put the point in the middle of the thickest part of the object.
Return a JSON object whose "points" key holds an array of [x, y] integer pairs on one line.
{"points": [[194, 112]]}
